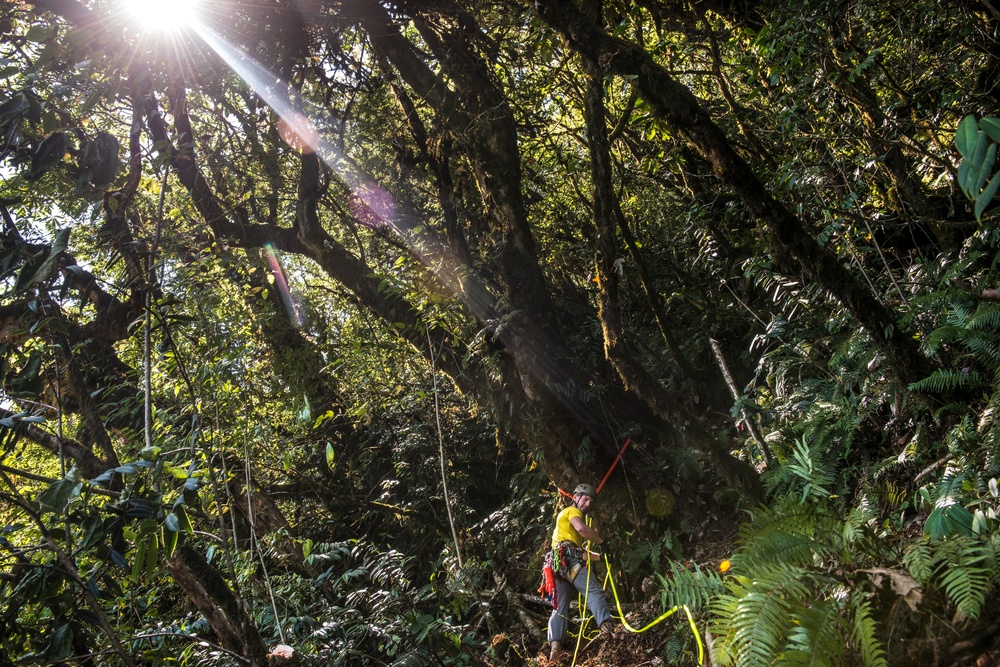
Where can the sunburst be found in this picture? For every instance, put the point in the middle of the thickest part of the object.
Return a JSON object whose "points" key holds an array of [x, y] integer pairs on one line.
{"points": [[165, 16]]}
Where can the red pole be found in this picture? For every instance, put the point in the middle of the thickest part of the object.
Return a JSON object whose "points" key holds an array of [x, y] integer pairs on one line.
{"points": [[617, 458]]}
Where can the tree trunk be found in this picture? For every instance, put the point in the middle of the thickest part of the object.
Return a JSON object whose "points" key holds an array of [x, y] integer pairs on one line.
{"points": [[223, 610]]}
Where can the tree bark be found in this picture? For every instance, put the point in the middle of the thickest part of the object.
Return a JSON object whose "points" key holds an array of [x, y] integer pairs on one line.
{"points": [[224, 611]]}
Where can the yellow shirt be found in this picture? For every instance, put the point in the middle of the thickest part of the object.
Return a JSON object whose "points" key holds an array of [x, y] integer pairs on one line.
{"points": [[564, 531]]}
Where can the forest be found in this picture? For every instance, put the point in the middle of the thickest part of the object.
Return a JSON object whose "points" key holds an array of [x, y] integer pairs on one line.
{"points": [[312, 311]]}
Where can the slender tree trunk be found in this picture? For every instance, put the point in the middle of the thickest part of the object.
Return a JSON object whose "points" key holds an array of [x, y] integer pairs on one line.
{"points": [[635, 377]]}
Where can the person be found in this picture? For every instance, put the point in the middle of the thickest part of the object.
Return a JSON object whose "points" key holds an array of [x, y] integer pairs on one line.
{"points": [[571, 563]]}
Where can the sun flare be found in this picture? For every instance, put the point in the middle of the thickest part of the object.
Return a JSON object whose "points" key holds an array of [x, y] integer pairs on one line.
{"points": [[160, 15]]}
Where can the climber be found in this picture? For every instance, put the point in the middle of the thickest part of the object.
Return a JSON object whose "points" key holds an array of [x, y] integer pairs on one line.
{"points": [[570, 561]]}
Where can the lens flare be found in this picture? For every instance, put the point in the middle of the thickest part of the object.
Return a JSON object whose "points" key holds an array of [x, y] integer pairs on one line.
{"points": [[298, 132], [292, 305], [660, 502]]}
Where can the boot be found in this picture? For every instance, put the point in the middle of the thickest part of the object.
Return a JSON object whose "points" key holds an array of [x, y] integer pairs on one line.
{"points": [[607, 629], [555, 652]]}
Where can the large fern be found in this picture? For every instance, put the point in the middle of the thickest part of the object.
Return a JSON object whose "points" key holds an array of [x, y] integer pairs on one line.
{"points": [[948, 380], [753, 619]]}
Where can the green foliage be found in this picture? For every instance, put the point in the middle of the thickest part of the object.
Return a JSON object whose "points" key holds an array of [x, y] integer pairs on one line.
{"points": [[291, 398], [947, 380], [374, 610], [693, 588], [978, 147]]}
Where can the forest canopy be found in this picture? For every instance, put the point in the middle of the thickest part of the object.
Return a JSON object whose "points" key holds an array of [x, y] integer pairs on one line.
{"points": [[310, 310]]}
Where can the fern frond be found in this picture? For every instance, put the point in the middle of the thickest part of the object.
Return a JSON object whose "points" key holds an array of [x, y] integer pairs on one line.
{"points": [[987, 318], [754, 619], [856, 519], [817, 636], [946, 380], [872, 653], [807, 467], [967, 588], [959, 572], [963, 566], [941, 336], [919, 560], [674, 650], [691, 588], [789, 533]]}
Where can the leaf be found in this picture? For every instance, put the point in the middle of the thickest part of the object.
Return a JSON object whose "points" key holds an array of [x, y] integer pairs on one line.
{"points": [[948, 520], [986, 196], [965, 136], [183, 520], [103, 478], [140, 557], [60, 644], [170, 540], [33, 274], [38, 33], [94, 533], [963, 176], [118, 559], [171, 523], [56, 497], [904, 585], [329, 455], [969, 184], [866, 637], [150, 453], [985, 166], [28, 383], [992, 128], [152, 542]]}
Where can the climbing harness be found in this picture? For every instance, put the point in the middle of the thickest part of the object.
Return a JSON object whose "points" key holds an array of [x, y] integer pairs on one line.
{"points": [[565, 561]]}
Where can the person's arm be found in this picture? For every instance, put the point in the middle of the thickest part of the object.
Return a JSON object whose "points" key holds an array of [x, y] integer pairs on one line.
{"points": [[586, 532]]}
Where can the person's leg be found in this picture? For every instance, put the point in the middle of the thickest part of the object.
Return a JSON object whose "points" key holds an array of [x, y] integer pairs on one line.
{"points": [[560, 615], [596, 601]]}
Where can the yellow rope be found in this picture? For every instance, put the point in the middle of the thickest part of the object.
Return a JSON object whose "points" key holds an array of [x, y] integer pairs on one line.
{"points": [[662, 617], [585, 618], [583, 613]]}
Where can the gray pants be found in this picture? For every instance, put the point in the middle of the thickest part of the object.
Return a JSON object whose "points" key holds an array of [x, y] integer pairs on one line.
{"points": [[565, 591]]}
